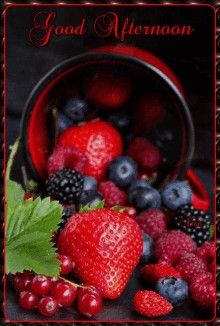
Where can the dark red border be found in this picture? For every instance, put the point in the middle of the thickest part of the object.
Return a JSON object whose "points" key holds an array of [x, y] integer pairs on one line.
{"points": [[4, 145]]}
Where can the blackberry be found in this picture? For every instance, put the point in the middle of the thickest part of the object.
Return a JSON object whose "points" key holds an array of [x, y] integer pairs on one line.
{"points": [[194, 222], [68, 211], [65, 185]]}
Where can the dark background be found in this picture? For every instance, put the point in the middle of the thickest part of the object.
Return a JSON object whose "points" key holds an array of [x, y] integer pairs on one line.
{"points": [[190, 57]]}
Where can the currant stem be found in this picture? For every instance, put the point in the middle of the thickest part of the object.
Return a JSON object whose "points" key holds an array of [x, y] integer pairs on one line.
{"points": [[72, 283]]}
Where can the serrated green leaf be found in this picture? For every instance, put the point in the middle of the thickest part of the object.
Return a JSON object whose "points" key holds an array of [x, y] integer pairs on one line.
{"points": [[211, 232], [14, 193], [88, 208], [40, 258], [29, 227]]}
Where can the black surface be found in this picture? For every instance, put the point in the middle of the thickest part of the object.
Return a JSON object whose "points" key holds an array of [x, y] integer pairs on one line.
{"points": [[192, 60]]}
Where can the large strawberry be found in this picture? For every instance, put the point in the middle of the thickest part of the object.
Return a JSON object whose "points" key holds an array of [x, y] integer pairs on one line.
{"points": [[105, 245], [99, 140]]}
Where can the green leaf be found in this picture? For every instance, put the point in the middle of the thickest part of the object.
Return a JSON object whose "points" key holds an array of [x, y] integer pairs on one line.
{"points": [[14, 193], [29, 227], [211, 232], [88, 208]]}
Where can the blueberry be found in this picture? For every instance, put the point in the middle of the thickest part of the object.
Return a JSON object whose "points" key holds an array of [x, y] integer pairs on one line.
{"points": [[122, 171], [63, 122], [176, 194], [139, 184], [90, 197], [173, 289], [121, 120], [145, 198], [89, 183], [147, 248], [75, 109]]}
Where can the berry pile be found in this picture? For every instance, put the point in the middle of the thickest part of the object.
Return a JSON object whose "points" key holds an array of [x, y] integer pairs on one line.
{"points": [[114, 217]]}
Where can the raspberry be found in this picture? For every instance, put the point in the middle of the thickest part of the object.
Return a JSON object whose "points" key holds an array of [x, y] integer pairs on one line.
{"points": [[151, 304], [112, 194], [204, 277], [152, 222], [212, 268], [207, 252], [145, 154], [202, 291], [150, 111], [190, 265], [172, 245], [153, 272], [66, 157]]}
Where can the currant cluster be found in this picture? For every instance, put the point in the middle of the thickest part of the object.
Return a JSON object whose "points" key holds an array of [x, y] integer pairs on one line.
{"points": [[48, 294]]}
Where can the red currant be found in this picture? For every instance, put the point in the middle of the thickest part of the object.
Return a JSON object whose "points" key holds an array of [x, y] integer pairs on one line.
{"points": [[48, 306], [89, 301], [27, 300], [41, 285], [64, 293], [89, 289], [22, 281], [66, 264], [54, 280]]}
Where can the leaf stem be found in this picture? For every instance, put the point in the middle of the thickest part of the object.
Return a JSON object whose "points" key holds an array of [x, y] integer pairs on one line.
{"points": [[13, 152]]}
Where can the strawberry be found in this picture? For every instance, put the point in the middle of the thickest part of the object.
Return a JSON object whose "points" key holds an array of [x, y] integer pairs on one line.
{"points": [[100, 142], [151, 304], [153, 272], [105, 245], [108, 91]]}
